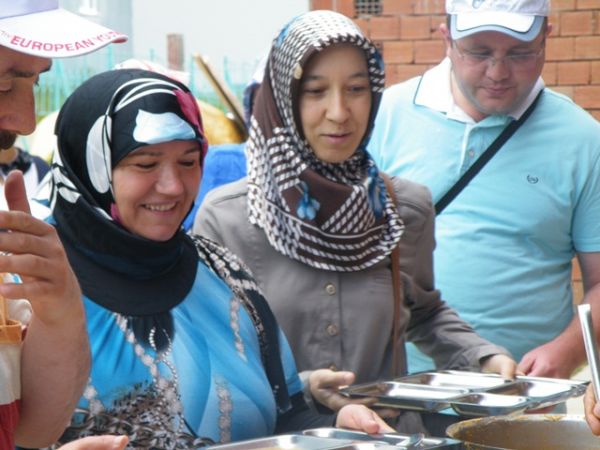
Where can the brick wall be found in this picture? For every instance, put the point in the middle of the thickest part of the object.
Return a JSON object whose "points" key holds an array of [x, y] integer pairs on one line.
{"points": [[407, 33]]}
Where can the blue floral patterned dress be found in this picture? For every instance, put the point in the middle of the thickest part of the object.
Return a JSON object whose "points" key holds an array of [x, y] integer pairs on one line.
{"points": [[209, 382]]}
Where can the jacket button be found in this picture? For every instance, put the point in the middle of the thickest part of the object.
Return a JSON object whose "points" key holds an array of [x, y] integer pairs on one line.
{"points": [[332, 330], [330, 289]]}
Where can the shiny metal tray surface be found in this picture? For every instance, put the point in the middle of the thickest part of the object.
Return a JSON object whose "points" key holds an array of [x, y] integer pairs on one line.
{"points": [[454, 379], [351, 435], [399, 441], [486, 404], [539, 393], [577, 386], [468, 393], [339, 439], [405, 395], [284, 441]]}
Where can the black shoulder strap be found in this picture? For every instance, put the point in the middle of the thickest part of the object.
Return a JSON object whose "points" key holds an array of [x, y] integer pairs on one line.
{"points": [[484, 158]]}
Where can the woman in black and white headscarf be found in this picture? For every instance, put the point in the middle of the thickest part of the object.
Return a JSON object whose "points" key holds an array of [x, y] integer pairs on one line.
{"points": [[316, 224], [185, 349]]}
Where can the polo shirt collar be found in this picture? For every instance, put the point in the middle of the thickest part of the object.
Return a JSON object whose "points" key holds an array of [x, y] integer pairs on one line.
{"points": [[434, 93]]}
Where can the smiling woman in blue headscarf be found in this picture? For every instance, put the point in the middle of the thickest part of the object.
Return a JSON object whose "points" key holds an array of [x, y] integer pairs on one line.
{"points": [[184, 346]]}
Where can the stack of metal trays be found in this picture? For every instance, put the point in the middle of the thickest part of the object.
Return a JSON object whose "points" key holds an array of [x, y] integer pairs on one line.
{"points": [[340, 439], [468, 393]]}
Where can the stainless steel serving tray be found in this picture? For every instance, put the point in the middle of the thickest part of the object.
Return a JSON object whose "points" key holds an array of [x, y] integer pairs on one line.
{"points": [[481, 404], [577, 386], [284, 441], [405, 395], [468, 393], [454, 379], [351, 435], [399, 441], [323, 442]]}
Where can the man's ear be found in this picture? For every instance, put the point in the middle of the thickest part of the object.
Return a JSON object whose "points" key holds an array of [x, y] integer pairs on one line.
{"points": [[445, 32]]}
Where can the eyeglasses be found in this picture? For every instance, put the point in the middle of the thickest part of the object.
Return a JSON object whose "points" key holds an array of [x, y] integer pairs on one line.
{"points": [[515, 61]]}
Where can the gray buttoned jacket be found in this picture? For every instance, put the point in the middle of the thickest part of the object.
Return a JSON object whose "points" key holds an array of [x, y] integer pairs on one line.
{"points": [[343, 320]]}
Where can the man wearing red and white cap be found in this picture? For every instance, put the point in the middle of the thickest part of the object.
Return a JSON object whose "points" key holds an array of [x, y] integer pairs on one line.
{"points": [[44, 385], [505, 242]]}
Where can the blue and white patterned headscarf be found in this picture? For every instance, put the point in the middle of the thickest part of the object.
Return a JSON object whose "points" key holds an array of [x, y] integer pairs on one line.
{"points": [[105, 119], [330, 216]]}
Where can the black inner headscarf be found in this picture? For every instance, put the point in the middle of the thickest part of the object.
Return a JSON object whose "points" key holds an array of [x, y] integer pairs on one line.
{"points": [[105, 119]]}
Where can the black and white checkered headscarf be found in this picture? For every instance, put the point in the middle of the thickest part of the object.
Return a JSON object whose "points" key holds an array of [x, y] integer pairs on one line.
{"points": [[335, 217]]}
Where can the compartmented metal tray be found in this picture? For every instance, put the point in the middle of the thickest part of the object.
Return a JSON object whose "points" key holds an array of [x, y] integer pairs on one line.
{"points": [[284, 441], [406, 396], [486, 404], [340, 439], [468, 393], [398, 440]]}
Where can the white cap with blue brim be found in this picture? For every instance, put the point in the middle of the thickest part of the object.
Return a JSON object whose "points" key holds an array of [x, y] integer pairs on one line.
{"points": [[521, 19]]}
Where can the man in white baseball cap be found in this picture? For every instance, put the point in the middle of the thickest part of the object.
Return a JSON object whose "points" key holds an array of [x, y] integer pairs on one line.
{"points": [[43, 374], [514, 172]]}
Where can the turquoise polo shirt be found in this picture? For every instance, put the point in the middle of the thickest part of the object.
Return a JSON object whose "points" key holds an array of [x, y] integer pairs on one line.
{"points": [[505, 244]]}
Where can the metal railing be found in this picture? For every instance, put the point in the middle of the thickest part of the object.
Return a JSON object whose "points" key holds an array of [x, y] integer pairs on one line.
{"points": [[67, 74]]}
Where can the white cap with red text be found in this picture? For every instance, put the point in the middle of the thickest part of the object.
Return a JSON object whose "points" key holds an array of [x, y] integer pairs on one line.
{"points": [[41, 28], [521, 19]]}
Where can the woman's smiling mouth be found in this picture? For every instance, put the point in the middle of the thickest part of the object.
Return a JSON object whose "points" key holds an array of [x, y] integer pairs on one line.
{"points": [[160, 208]]}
